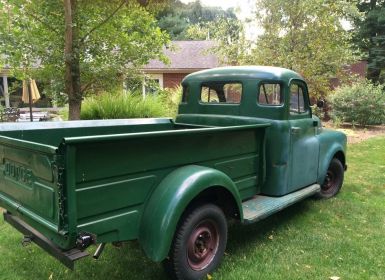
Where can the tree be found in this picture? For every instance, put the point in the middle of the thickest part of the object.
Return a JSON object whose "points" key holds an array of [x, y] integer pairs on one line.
{"points": [[231, 44], [176, 17], [92, 44], [305, 36], [370, 37]]}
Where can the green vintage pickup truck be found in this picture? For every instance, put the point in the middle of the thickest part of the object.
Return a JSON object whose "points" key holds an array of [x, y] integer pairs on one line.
{"points": [[244, 145]]}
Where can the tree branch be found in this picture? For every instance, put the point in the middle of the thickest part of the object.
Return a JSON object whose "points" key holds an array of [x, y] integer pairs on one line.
{"points": [[87, 86], [32, 15], [45, 24], [104, 21]]}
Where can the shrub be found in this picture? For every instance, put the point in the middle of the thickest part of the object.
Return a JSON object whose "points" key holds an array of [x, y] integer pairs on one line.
{"points": [[171, 99], [122, 106], [360, 103]]}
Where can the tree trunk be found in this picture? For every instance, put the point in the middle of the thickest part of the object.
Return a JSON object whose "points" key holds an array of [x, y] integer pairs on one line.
{"points": [[373, 73], [72, 60], [373, 4]]}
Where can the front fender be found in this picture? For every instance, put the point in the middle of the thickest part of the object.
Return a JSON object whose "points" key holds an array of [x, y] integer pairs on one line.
{"points": [[170, 199], [331, 143]]}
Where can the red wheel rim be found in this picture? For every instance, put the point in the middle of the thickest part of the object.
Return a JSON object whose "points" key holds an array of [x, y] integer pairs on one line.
{"points": [[202, 245]]}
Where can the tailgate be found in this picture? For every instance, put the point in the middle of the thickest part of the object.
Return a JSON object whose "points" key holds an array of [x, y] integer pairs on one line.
{"points": [[32, 192], [28, 183]]}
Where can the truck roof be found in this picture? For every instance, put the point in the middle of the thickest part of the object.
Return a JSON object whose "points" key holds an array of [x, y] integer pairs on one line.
{"points": [[244, 72]]}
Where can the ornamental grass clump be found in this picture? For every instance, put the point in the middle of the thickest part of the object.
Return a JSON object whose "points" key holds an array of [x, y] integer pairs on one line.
{"points": [[361, 103], [122, 106], [171, 98]]}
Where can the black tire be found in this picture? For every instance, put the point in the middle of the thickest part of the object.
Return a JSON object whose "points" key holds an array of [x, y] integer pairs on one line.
{"points": [[199, 243], [333, 180]]}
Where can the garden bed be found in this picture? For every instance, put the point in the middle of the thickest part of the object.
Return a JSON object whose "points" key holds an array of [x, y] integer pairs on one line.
{"points": [[358, 134]]}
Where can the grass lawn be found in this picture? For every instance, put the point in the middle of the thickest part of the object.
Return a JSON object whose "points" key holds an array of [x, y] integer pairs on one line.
{"points": [[343, 236]]}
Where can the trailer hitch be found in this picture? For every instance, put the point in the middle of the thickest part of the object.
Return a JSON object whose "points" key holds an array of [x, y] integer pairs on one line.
{"points": [[83, 241], [67, 257]]}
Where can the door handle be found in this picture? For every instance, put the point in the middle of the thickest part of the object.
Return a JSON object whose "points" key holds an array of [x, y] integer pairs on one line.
{"points": [[295, 130]]}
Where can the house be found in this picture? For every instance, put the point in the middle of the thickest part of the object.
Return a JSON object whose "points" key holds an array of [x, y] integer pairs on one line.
{"points": [[185, 57], [357, 69]]}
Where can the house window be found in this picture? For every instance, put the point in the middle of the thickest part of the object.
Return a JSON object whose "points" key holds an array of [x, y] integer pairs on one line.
{"points": [[219, 92], [152, 83], [151, 86], [270, 94]]}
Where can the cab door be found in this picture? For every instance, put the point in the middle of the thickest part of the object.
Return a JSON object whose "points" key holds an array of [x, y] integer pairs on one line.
{"points": [[304, 146]]}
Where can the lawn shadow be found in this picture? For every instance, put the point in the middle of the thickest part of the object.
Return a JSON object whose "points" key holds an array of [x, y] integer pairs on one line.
{"points": [[127, 262], [241, 236]]}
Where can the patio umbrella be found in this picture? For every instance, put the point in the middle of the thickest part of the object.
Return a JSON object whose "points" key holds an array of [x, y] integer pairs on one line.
{"points": [[30, 94], [30, 86]]}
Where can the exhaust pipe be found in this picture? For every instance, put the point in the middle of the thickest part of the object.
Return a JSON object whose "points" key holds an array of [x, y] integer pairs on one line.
{"points": [[99, 250]]}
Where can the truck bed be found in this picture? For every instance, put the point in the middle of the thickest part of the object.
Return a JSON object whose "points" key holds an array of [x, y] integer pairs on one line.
{"points": [[67, 178]]}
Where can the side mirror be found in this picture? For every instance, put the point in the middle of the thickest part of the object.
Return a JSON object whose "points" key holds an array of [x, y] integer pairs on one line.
{"points": [[320, 103]]}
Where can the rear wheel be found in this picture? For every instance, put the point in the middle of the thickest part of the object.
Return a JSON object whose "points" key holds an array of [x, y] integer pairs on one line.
{"points": [[199, 243], [333, 180]]}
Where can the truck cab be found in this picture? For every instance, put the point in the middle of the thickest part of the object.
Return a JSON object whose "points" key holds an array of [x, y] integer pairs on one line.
{"points": [[298, 150]]}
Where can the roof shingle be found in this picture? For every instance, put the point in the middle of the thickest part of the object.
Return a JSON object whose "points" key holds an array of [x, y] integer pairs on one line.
{"points": [[187, 55]]}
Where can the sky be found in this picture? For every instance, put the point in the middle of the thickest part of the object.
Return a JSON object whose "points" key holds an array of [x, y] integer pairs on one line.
{"points": [[225, 4], [243, 6]]}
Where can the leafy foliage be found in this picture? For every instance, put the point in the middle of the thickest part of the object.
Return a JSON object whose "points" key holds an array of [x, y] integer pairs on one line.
{"points": [[361, 103], [176, 18], [305, 36], [370, 37]]}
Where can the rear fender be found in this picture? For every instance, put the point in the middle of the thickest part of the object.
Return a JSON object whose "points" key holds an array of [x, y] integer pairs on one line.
{"points": [[170, 199]]}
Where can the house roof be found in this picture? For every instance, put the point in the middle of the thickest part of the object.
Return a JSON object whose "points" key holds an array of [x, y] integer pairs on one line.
{"points": [[6, 69], [185, 56]]}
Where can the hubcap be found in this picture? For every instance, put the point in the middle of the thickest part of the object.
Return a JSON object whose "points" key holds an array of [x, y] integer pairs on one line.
{"points": [[202, 245]]}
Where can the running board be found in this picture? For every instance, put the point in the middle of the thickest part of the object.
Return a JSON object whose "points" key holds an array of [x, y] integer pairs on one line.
{"points": [[261, 206]]}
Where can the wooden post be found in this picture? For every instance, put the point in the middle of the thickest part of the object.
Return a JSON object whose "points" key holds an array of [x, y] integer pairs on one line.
{"points": [[29, 88], [6, 92]]}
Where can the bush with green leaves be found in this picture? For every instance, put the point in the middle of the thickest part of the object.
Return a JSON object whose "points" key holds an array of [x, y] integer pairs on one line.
{"points": [[122, 106], [361, 103]]}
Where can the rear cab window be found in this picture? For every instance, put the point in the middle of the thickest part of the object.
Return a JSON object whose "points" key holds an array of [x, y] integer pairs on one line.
{"points": [[221, 92]]}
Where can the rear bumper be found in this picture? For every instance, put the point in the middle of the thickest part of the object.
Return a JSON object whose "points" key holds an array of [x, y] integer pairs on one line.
{"points": [[65, 257]]}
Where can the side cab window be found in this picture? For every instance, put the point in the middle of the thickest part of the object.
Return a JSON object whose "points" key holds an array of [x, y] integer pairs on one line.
{"points": [[185, 93], [298, 99], [270, 94]]}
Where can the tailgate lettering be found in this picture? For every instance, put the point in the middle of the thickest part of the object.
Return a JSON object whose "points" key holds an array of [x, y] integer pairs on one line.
{"points": [[18, 172]]}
